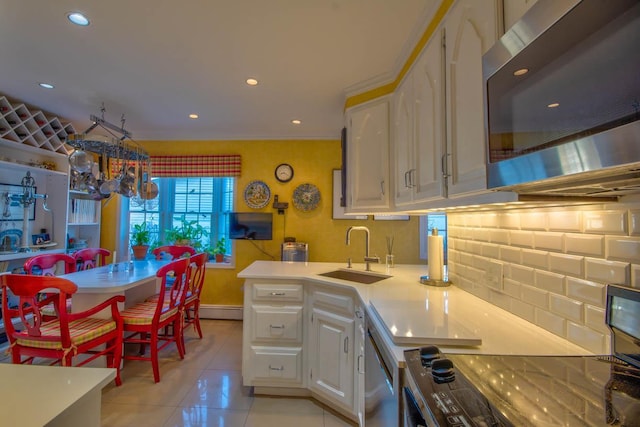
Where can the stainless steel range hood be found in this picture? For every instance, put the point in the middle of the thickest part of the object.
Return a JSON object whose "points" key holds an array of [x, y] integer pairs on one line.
{"points": [[563, 102]]}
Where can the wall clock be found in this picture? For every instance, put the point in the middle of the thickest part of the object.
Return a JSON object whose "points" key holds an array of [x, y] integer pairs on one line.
{"points": [[284, 172]]}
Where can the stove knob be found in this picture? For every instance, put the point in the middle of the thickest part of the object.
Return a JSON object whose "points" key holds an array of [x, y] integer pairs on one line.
{"points": [[442, 371], [428, 354]]}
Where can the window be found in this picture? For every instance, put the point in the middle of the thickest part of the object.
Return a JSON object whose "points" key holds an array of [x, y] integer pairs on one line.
{"points": [[427, 224], [202, 201]]}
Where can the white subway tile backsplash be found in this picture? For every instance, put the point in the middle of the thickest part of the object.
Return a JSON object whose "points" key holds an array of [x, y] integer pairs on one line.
{"points": [[521, 238], [481, 234], [489, 220], [509, 220], [533, 220], [634, 221], [603, 271], [594, 318], [524, 310], [549, 241], [537, 259], [512, 288], [522, 274], [499, 236], [490, 250], [585, 291], [555, 263], [565, 221], [635, 276], [535, 296], [585, 337], [568, 264], [499, 299], [605, 222], [510, 254], [551, 282], [584, 244], [623, 248], [565, 307], [551, 322]]}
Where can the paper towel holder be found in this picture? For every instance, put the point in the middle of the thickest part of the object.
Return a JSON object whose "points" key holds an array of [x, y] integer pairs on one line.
{"points": [[425, 280]]}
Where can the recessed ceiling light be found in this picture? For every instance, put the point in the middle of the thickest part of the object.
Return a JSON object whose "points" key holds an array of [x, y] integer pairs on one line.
{"points": [[252, 82], [521, 72], [46, 85], [193, 116], [78, 18], [296, 121], [553, 105]]}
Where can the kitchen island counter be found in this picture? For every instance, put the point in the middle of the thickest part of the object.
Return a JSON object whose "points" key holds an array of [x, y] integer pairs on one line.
{"points": [[405, 308]]}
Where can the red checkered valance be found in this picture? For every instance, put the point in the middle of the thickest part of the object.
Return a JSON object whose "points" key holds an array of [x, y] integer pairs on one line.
{"points": [[185, 166]]}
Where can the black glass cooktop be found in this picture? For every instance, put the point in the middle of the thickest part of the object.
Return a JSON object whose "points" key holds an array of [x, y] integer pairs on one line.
{"points": [[488, 390]]}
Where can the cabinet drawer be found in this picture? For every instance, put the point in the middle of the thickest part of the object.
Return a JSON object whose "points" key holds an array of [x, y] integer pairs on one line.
{"points": [[278, 292], [335, 302], [277, 363], [281, 324]]}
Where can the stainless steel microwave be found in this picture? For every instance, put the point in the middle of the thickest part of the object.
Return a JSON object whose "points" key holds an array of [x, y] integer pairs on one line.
{"points": [[562, 98]]}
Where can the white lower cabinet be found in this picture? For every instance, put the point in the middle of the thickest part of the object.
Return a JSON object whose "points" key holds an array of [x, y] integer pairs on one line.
{"points": [[331, 357], [302, 338], [272, 348]]}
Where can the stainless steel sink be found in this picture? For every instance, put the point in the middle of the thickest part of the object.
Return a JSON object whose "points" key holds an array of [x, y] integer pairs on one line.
{"points": [[366, 277]]}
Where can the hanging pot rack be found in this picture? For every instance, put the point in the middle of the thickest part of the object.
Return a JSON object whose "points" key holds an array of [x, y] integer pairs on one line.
{"points": [[121, 147]]}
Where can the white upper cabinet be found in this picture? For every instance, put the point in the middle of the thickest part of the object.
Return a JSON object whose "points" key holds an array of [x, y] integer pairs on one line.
{"points": [[471, 29], [368, 157], [418, 130]]}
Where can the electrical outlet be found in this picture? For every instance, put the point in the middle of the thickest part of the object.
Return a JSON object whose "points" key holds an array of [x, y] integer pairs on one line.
{"points": [[493, 275]]}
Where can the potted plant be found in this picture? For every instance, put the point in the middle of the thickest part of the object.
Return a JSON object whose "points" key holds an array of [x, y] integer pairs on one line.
{"points": [[219, 250], [187, 233], [140, 238]]}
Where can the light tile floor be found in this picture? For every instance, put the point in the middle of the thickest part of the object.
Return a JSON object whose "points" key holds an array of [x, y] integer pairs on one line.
{"points": [[204, 389]]}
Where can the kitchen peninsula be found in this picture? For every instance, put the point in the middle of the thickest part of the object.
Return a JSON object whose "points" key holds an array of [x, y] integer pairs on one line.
{"points": [[296, 322]]}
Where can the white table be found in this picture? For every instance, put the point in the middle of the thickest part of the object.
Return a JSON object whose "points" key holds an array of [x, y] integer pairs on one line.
{"points": [[99, 284], [54, 396]]}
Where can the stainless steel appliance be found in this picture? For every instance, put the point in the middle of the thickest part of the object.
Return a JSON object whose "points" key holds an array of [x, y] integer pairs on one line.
{"points": [[295, 252], [482, 390], [381, 380], [563, 100]]}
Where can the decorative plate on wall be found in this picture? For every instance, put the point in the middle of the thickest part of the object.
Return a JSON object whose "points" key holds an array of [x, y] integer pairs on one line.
{"points": [[306, 197], [257, 194]]}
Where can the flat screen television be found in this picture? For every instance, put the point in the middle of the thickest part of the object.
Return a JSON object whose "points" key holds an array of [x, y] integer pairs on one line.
{"points": [[250, 225]]}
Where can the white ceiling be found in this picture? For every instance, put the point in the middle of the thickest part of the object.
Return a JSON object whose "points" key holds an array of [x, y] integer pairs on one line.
{"points": [[156, 61]]}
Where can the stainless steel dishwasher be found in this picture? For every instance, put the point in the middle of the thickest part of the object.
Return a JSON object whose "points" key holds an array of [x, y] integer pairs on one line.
{"points": [[381, 381]]}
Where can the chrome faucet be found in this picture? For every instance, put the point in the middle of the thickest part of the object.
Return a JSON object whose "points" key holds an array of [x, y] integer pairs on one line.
{"points": [[367, 259]]}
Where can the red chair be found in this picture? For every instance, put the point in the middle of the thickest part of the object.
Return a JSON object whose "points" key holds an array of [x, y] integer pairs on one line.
{"points": [[63, 338], [47, 265], [192, 300], [149, 322], [90, 258], [176, 251]]}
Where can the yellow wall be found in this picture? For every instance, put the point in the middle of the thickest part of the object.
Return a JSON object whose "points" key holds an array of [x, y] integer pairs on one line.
{"points": [[313, 162]]}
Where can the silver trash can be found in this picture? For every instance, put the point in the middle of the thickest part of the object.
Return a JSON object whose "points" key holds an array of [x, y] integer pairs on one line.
{"points": [[295, 252]]}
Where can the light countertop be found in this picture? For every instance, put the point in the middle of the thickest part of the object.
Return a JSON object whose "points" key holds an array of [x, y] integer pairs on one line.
{"points": [[413, 314], [36, 395]]}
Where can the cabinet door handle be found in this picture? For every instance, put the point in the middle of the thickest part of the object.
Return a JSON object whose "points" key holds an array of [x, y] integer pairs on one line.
{"points": [[382, 187], [271, 368], [443, 164], [278, 294], [360, 370], [406, 179], [277, 326], [412, 173], [346, 344]]}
